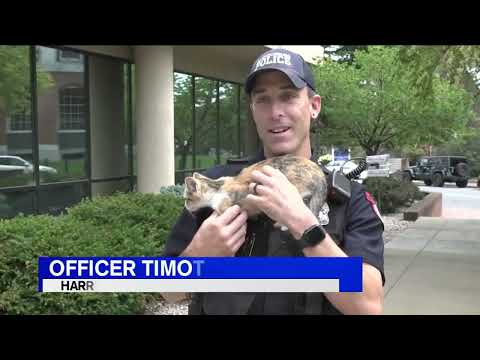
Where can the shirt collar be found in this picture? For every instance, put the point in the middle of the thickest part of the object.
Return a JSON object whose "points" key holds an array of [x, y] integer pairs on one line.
{"points": [[260, 156]]}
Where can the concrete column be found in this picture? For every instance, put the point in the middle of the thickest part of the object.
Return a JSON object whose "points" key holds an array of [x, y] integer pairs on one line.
{"points": [[108, 130], [154, 117]]}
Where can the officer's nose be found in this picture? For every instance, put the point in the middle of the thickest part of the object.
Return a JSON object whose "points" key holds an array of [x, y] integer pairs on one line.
{"points": [[277, 111]]}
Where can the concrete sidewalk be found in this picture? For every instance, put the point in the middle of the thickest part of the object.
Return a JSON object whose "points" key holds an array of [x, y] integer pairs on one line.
{"points": [[433, 267]]}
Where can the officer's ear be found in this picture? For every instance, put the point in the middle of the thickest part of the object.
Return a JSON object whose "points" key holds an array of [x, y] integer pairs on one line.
{"points": [[315, 105]]}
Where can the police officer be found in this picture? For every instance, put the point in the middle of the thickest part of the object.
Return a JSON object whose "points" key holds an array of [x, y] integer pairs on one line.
{"points": [[283, 102]]}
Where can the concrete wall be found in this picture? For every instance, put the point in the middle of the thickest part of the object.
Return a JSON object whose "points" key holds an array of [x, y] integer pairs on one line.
{"points": [[154, 117], [108, 135], [227, 62], [231, 63], [430, 205], [118, 51]]}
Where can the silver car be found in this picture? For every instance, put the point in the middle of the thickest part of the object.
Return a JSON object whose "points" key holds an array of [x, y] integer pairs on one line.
{"points": [[15, 164]]}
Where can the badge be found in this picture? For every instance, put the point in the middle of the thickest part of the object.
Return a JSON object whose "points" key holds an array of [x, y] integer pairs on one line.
{"points": [[323, 215]]}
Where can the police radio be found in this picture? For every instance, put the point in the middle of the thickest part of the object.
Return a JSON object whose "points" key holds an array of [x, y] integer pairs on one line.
{"points": [[339, 184]]}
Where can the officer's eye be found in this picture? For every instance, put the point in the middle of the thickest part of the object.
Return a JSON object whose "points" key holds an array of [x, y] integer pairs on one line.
{"points": [[262, 100], [288, 96]]}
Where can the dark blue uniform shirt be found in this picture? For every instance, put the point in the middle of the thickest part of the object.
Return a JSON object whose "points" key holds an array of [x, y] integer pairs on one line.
{"points": [[363, 227]]}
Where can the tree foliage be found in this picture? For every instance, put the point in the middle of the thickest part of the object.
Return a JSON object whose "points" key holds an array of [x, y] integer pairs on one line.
{"points": [[372, 103], [458, 64], [15, 84], [205, 98]]}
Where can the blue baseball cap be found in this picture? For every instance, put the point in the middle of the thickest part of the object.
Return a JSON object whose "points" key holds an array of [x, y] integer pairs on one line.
{"points": [[288, 62]]}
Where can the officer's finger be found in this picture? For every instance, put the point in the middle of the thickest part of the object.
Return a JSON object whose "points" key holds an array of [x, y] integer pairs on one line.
{"points": [[254, 199], [237, 240], [268, 170], [214, 215], [238, 244], [258, 189], [237, 223], [262, 178], [261, 190], [257, 201], [229, 214], [241, 231], [272, 172]]}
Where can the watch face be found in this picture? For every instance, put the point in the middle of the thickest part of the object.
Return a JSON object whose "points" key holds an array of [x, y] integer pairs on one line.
{"points": [[314, 236]]}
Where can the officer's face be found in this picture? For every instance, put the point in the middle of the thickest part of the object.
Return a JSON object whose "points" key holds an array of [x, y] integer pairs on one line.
{"points": [[282, 114]]}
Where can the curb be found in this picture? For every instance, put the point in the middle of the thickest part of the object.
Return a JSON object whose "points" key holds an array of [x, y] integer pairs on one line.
{"points": [[430, 206]]}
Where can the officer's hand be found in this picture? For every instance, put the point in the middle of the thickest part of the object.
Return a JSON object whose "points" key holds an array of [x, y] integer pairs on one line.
{"points": [[220, 235], [280, 200]]}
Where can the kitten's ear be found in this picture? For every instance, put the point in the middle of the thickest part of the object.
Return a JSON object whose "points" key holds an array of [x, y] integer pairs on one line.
{"points": [[191, 184], [212, 183], [199, 176]]}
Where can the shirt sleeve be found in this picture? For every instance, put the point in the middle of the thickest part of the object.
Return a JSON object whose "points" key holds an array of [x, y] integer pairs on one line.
{"points": [[363, 235], [181, 235]]}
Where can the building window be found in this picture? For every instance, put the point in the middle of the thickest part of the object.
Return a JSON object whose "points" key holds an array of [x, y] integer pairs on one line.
{"points": [[21, 121], [72, 108], [68, 56]]}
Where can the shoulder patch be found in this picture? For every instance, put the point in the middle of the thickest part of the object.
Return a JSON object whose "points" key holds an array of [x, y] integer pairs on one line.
{"points": [[373, 204]]}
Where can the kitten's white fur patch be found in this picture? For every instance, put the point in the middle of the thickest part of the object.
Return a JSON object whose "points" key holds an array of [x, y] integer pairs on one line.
{"points": [[217, 199]]}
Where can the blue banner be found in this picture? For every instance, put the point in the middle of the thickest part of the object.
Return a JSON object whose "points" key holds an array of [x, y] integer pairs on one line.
{"points": [[348, 270]]}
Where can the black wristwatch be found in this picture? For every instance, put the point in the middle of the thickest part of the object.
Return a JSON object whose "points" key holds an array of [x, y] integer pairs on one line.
{"points": [[314, 235]]}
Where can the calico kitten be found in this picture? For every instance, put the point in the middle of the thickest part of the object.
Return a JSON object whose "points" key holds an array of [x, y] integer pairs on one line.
{"points": [[305, 175]]}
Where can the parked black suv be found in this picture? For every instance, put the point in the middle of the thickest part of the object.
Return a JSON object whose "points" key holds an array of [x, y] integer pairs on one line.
{"points": [[437, 170]]}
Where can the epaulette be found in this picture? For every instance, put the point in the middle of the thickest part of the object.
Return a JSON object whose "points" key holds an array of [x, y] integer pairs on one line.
{"points": [[238, 161]]}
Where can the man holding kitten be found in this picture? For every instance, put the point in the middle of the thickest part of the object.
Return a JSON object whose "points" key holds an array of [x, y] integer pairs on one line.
{"points": [[283, 102]]}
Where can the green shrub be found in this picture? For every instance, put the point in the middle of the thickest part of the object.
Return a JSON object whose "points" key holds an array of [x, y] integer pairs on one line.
{"points": [[18, 179], [392, 193], [176, 190], [121, 225], [154, 213]]}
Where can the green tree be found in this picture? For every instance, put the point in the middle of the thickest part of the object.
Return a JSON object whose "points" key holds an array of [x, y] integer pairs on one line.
{"points": [[372, 103], [15, 79], [183, 117], [205, 97], [459, 64], [205, 117]]}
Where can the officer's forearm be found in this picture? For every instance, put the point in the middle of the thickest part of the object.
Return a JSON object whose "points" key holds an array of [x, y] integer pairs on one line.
{"points": [[369, 301]]}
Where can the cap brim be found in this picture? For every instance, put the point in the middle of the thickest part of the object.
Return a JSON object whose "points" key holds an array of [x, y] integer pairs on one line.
{"points": [[296, 80]]}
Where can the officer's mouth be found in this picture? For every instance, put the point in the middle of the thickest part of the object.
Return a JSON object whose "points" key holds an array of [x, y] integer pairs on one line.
{"points": [[279, 131]]}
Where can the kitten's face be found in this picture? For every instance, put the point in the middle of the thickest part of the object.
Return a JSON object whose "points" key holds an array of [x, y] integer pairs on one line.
{"points": [[199, 191]]}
